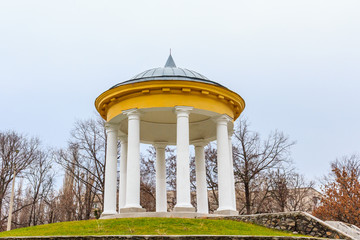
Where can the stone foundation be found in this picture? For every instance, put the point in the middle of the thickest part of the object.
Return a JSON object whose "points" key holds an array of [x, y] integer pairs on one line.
{"points": [[296, 222], [132, 210], [184, 209]]}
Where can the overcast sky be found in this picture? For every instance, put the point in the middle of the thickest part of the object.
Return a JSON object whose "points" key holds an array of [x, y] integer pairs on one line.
{"points": [[296, 63]]}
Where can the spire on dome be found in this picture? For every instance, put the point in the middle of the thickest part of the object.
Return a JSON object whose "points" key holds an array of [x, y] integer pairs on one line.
{"points": [[170, 62]]}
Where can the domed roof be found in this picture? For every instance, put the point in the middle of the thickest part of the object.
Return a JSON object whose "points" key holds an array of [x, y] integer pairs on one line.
{"points": [[168, 72]]}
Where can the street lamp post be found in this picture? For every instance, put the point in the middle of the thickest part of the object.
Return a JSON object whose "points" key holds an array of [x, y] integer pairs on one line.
{"points": [[11, 202], [12, 198]]}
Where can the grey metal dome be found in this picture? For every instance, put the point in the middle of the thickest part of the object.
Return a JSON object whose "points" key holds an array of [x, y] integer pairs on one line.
{"points": [[168, 72]]}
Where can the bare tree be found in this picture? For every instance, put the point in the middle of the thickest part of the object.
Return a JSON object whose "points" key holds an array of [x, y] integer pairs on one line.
{"points": [[212, 176], [170, 168], [148, 175], [279, 185], [260, 197], [40, 178], [84, 160], [78, 192], [253, 156], [53, 212], [170, 163], [193, 181], [67, 196], [301, 196], [17, 152], [147, 180]]}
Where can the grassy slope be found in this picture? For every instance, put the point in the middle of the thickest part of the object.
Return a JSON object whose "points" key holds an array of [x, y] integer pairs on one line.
{"points": [[146, 226]]}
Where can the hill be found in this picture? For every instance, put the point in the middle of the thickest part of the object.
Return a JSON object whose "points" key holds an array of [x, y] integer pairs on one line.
{"points": [[147, 226]]}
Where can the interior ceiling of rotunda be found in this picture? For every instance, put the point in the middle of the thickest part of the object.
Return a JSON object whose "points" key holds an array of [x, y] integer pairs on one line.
{"points": [[159, 125]]}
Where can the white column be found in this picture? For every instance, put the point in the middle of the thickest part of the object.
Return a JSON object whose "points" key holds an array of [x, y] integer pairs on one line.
{"points": [[201, 186], [133, 163], [233, 192], [223, 164], [161, 197], [110, 170], [183, 200], [123, 169]]}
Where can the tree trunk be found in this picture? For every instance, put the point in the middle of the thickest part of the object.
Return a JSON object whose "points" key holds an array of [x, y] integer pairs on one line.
{"points": [[247, 198], [1, 221], [282, 207]]}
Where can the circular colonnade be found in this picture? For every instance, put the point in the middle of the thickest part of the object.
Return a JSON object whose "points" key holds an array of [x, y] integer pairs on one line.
{"points": [[168, 106]]}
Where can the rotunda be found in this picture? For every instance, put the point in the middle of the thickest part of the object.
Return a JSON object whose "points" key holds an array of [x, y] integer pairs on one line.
{"points": [[168, 106]]}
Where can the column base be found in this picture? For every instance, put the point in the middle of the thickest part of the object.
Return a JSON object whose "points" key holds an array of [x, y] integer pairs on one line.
{"points": [[227, 212], [104, 214], [132, 210], [202, 212], [184, 209], [161, 211]]}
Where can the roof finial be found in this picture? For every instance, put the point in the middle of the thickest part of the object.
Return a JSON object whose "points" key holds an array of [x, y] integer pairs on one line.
{"points": [[170, 62]]}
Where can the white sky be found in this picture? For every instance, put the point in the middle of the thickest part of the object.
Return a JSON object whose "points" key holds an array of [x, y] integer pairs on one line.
{"points": [[296, 63]]}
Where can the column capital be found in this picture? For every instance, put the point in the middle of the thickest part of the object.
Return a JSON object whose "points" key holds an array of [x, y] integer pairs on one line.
{"points": [[223, 119], [200, 143], [111, 127], [161, 145], [123, 139], [133, 113], [180, 110]]}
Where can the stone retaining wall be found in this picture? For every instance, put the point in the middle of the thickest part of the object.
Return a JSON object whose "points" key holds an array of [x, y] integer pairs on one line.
{"points": [[185, 237], [299, 222]]}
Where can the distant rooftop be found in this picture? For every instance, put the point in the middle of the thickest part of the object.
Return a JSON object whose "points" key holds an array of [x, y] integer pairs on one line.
{"points": [[169, 72]]}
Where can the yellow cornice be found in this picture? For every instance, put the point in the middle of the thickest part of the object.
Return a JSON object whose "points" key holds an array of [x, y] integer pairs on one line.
{"points": [[169, 93]]}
